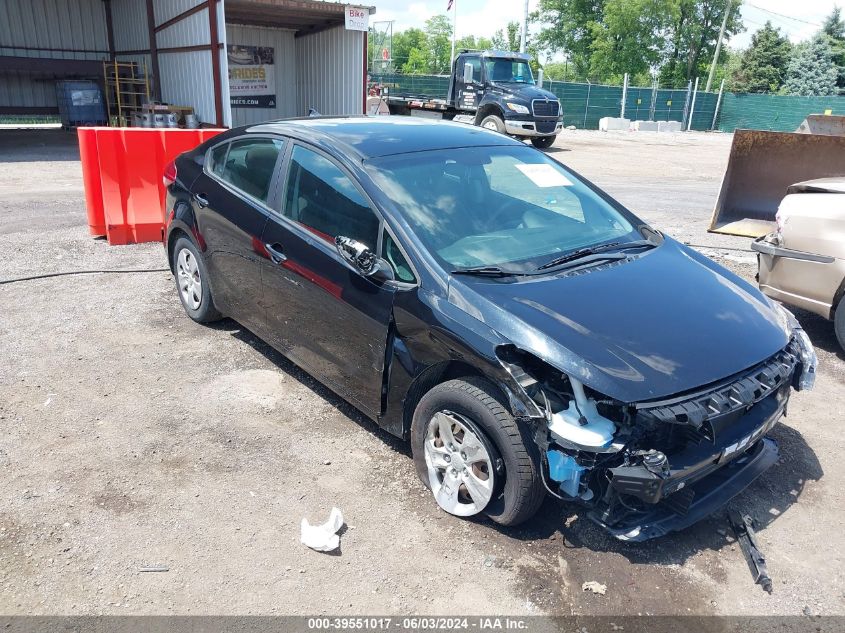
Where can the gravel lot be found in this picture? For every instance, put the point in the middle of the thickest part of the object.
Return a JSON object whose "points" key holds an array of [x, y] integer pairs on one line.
{"points": [[133, 437]]}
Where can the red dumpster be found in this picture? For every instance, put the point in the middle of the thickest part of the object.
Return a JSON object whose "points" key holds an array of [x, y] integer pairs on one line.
{"points": [[122, 172]]}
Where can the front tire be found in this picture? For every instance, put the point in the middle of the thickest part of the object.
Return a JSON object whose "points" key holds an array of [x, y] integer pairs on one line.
{"points": [[497, 463], [495, 123], [543, 142], [192, 282], [839, 322]]}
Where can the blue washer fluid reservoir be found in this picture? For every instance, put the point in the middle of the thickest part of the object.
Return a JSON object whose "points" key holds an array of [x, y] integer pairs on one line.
{"points": [[566, 471]]}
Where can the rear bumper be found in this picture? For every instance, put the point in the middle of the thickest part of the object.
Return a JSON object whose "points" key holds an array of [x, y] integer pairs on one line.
{"points": [[532, 128], [712, 492]]}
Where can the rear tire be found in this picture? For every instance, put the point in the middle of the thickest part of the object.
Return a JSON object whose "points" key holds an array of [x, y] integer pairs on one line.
{"points": [[495, 123], [543, 142], [518, 491], [839, 322], [192, 282]]}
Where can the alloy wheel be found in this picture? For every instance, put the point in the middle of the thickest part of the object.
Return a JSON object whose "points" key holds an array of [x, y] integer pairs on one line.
{"points": [[460, 468], [190, 282]]}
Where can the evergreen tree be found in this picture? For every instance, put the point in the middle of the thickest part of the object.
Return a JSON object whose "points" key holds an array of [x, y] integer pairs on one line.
{"points": [[763, 64], [811, 70], [834, 30]]}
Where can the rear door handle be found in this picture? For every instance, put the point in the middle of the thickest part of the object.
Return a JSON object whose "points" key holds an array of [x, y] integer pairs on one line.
{"points": [[201, 200], [275, 253]]}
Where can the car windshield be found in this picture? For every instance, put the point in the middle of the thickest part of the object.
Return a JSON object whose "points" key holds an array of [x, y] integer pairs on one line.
{"points": [[509, 71], [509, 207]]}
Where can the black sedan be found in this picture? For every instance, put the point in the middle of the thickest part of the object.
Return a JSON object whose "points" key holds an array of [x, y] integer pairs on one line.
{"points": [[523, 330]]}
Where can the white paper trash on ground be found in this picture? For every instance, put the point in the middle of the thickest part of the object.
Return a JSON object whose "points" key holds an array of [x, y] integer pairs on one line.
{"points": [[322, 538]]}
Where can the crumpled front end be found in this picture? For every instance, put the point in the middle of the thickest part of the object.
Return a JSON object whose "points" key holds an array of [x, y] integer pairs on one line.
{"points": [[643, 470]]}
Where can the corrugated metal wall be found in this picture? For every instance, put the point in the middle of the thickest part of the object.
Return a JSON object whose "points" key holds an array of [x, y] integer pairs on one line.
{"points": [[26, 25], [77, 24], [186, 76], [282, 41], [129, 22], [22, 90], [330, 71]]}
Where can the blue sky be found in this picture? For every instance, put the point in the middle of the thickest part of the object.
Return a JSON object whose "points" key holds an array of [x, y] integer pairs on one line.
{"points": [[799, 19]]}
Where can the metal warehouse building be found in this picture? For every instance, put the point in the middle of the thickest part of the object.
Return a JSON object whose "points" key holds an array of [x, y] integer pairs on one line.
{"points": [[312, 56]]}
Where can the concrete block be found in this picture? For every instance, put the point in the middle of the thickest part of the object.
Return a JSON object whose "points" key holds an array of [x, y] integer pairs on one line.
{"points": [[609, 123], [645, 126], [670, 126]]}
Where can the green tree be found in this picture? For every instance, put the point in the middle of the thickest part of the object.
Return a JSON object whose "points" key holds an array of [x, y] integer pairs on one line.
{"points": [[630, 38], [507, 39], [472, 43], [834, 30], [763, 64], [404, 42], [692, 37], [556, 71], [438, 33], [811, 71], [568, 29], [418, 62], [728, 68]]}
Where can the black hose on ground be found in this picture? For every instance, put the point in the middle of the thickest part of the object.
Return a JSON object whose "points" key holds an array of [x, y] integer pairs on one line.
{"points": [[84, 272]]}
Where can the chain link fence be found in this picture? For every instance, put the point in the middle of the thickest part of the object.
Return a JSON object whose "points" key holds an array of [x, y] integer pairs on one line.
{"points": [[584, 103]]}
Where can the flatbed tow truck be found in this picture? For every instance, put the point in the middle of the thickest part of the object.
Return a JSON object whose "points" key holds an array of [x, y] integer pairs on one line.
{"points": [[495, 90]]}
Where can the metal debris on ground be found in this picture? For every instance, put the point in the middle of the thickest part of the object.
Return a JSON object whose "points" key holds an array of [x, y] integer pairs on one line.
{"points": [[595, 587], [322, 538], [742, 527], [153, 568]]}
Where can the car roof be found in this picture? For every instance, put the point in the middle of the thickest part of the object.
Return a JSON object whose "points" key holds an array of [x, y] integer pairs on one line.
{"points": [[371, 137]]}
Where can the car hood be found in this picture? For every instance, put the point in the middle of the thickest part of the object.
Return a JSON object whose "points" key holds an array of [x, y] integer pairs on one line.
{"points": [[526, 92], [661, 323]]}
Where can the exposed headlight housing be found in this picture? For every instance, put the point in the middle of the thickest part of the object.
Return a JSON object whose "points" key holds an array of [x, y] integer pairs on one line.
{"points": [[806, 377], [519, 109]]}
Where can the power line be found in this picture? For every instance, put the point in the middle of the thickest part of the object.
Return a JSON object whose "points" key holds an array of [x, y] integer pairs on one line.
{"points": [[788, 17]]}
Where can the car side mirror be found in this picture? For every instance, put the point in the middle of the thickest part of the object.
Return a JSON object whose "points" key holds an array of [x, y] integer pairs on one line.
{"points": [[363, 259], [467, 73]]}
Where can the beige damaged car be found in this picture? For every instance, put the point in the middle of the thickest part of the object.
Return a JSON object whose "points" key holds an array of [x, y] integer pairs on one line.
{"points": [[803, 263]]}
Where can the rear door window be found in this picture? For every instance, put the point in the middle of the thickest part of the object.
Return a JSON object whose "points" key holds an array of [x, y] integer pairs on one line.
{"points": [[250, 165], [218, 159]]}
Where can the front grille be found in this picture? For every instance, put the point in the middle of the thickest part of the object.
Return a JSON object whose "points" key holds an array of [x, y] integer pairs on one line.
{"points": [[545, 107], [741, 392], [706, 415]]}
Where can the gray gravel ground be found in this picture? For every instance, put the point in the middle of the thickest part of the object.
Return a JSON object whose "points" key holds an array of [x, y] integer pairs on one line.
{"points": [[133, 437]]}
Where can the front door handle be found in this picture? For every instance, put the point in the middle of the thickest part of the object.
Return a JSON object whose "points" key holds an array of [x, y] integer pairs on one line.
{"points": [[275, 253], [201, 200]]}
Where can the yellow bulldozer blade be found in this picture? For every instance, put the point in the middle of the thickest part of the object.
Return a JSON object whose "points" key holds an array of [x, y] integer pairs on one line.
{"points": [[763, 164]]}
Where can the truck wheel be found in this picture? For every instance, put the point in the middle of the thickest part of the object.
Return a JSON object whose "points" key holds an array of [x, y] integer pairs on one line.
{"points": [[495, 123], [839, 322], [543, 142]]}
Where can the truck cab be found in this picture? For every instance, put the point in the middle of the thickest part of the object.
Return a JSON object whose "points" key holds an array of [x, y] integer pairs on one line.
{"points": [[498, 88]]}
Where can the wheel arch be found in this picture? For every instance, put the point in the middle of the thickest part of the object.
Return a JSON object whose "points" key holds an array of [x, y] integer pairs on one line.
{"points": [[486, 109]]}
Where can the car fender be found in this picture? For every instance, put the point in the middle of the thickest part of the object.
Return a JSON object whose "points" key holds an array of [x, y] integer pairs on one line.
{"points": [[419, 356]]}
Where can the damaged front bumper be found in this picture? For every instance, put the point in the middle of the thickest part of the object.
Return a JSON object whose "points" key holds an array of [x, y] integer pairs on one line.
{"points": [[682, 458]]}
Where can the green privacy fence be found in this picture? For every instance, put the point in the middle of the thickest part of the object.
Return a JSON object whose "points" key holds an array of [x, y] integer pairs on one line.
{"points": [[584, 104], [773, 112]]}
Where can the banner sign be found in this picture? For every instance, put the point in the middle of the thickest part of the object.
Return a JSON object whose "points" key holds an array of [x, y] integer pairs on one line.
{"points": [[357, 18], [252, 77]]}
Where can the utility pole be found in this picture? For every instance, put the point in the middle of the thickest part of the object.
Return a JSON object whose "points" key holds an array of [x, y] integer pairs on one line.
{"points": [[524, 38], [453, 5], [728, 10]]}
